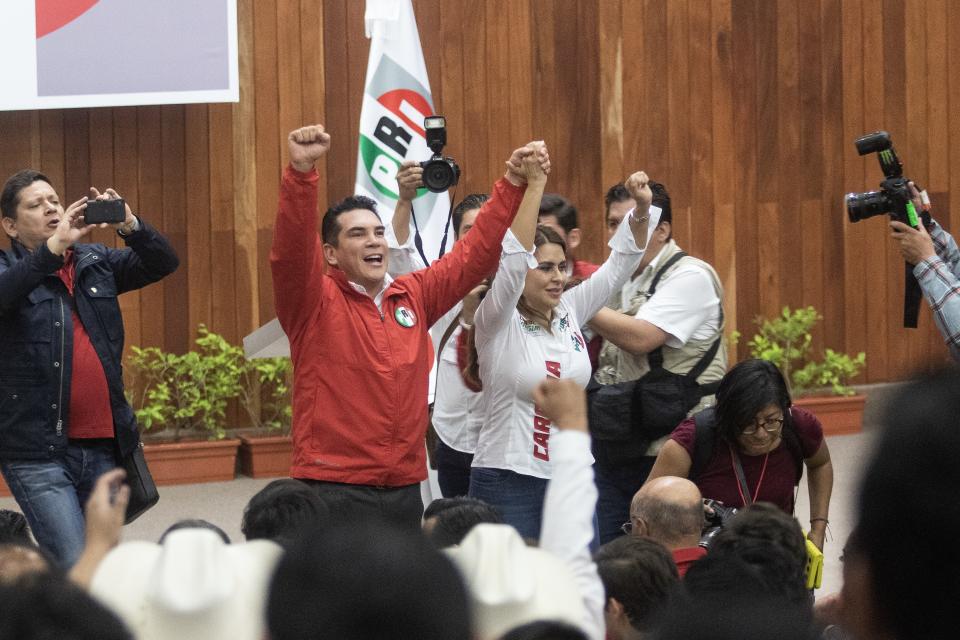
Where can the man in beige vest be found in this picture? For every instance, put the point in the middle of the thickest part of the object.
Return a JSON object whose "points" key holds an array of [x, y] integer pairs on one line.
{"points": [[671, 309]]}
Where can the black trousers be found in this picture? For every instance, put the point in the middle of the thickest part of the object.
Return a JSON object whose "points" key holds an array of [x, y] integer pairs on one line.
{"points": [[364, 503]]}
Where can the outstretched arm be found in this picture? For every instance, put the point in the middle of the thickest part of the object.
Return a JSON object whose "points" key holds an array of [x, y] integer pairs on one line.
{"points": [[296, 259], [572, 495]]}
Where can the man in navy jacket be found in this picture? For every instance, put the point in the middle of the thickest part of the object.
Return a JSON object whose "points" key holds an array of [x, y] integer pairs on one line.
{"points": [[63, 415]]}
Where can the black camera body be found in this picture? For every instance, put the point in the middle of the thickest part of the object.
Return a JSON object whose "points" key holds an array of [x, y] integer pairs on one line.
{"points": [[893, 198], [439, 172], [715, 523], [110, 211]]}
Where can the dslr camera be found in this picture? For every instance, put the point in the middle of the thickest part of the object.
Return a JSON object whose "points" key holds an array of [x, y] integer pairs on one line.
{"points": [[893, 198], [439, 173], [715, 523]]}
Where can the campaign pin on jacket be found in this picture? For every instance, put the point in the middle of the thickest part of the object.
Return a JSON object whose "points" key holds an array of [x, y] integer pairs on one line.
{"points": [[405, 317]]}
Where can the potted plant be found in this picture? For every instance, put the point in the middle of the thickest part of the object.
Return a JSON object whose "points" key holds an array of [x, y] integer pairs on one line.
{"points": [[265, 390], [817, 385], [180, 402]]}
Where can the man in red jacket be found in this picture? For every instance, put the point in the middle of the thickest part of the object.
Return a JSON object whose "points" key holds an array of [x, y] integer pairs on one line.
{"points": [[359, 339]]}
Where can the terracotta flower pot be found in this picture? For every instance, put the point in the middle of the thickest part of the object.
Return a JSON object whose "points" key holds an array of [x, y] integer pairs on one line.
{"points": [[4, 489], [839, 415], [192, 462], [265, 456]]}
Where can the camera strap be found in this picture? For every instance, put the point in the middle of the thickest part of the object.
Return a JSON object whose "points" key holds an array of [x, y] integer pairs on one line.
{"points": [[911, 297], [418, 241]]}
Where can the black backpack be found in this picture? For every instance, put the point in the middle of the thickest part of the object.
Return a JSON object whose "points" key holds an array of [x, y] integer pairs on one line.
{"points": [[706, 437]]}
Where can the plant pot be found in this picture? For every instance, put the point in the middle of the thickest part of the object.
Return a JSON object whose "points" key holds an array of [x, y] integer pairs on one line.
{"points": [[839, 415], [4, 489], [265, 456], [192, 462]]}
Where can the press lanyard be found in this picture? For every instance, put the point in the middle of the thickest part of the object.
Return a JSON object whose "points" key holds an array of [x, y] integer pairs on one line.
{"points": [[742, 486]]}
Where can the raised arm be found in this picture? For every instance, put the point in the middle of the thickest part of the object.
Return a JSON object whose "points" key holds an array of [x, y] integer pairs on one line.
{"points": [[531, 164], [404, 257], [572, 495], [296, 258]]}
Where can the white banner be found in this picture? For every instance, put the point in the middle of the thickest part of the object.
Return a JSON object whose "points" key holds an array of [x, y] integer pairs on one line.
{"points": [[396, 99]]}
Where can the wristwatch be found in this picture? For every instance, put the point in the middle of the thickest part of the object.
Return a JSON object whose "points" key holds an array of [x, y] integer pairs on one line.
{"points": [[126, 230]]}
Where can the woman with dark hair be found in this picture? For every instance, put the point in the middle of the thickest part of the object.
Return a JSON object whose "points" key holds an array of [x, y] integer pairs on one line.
{"points": [[752, 446], [526, 329]]}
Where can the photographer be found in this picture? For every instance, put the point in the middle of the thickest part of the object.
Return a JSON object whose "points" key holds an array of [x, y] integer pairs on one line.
{"points": [[65, 417], [934, 253]]}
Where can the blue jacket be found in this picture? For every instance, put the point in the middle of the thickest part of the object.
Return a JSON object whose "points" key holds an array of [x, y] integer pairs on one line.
{"points": [[36, 336]]}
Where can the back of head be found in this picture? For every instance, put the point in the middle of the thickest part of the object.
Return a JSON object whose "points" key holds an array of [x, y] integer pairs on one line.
{"points": [[641, 575], [671, 509], [46, 607], [511, 584], [908, 513], [760, 528], [10, 196], [364, 582], [194, 523], [726, 598], [553, 204], [747, 389], [281, 511], [14, 527], [456, 519], [545, 630], [18, 560]]}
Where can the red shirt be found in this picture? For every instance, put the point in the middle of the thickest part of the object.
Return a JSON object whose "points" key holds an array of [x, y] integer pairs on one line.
{"points": [[90, 413], [718, 480], [684, 558]]}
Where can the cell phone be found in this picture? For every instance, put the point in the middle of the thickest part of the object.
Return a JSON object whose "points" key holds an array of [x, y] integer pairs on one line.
{"points": [[110, 211]]}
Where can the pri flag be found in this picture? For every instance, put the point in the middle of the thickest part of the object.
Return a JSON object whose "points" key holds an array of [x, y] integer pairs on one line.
{"points": [[396, 99]]}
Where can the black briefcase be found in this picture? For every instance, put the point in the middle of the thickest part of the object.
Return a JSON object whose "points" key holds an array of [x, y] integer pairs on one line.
{"points": [[143, 491]]}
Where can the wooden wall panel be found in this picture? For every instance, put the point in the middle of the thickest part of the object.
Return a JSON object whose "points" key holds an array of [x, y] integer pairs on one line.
{"points": [[745, 109]]}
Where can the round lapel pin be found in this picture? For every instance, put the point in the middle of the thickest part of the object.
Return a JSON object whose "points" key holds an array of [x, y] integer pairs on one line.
{"points": [[405, 317]]}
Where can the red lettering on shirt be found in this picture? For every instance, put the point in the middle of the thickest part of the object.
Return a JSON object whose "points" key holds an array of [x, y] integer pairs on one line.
{"points": [[541, 424]]}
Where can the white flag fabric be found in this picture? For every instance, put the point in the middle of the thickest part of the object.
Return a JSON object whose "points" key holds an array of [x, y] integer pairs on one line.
{"points": [[396, 98]]}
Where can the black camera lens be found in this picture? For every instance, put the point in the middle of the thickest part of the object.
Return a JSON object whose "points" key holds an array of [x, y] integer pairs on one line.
{"points": [[439, 174], [861, 206]]}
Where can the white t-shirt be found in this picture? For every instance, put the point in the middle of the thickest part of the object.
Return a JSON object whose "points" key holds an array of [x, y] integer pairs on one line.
{"points": [[516, 355], [685, 304]]}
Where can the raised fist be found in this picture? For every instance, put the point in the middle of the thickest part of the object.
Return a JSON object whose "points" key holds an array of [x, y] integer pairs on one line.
{"points": [[638, 185], [306, 145]]}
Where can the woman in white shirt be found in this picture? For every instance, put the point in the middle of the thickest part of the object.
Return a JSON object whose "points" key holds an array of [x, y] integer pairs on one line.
{"points": [[528, 328]]}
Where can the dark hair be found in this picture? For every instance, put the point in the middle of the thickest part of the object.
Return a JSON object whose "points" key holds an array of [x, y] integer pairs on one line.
{"points": [[724, 597], [546, 235], [10, 197], [195, 523], [330, 228], [641, 574], [366, 582], [281, 510], [908, 497], [616, 193], [454, 521], [14, 528], [18, 559], [45, 606], [545, 630], [744, 392], [553, 204], [661, 199], [757, 529], [471, 202]]}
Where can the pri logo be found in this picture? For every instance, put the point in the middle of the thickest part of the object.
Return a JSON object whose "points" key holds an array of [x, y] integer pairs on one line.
{"points": [[405, 317], [402, 104]]}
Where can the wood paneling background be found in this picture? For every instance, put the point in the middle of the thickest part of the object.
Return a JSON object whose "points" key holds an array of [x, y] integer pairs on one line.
{"points": [[745, 109]]}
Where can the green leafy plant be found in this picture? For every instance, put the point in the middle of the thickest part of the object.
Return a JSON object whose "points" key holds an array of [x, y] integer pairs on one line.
{"points": [[189, 393], [786, 341]]}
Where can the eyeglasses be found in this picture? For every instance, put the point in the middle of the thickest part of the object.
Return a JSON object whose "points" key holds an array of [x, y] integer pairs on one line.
{"points": [[770, 425], [627, 527]]}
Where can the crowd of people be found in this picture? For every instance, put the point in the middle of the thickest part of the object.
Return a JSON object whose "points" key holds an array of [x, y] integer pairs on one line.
{"points": [[604, 475]]}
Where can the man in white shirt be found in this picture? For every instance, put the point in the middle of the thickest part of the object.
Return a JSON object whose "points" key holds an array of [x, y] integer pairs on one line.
{"points": [[669, 315]]}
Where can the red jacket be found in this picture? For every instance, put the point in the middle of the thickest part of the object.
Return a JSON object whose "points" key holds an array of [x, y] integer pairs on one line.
{"points": [[360, 379]]}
